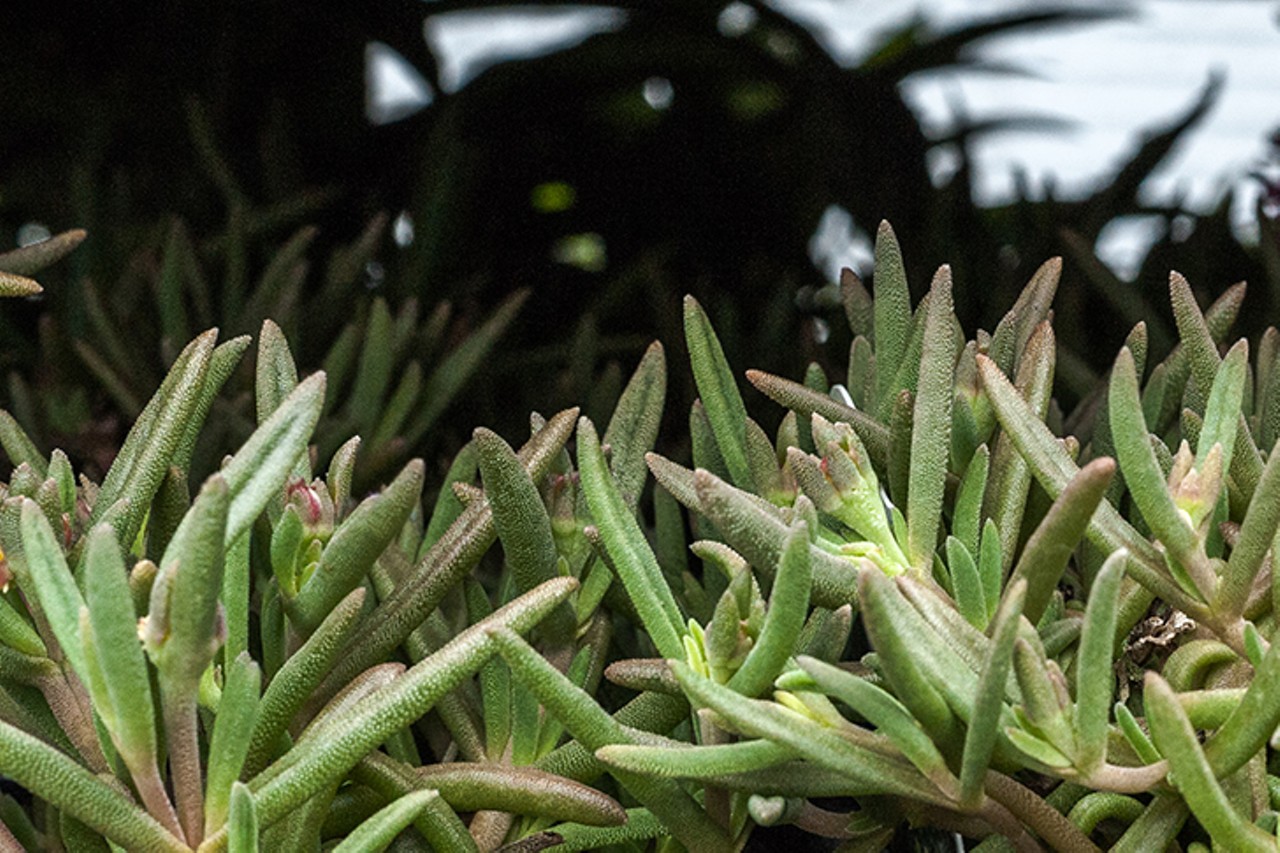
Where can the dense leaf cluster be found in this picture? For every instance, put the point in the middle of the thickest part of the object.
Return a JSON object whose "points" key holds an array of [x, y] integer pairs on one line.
{"points": [[1063, 638]]}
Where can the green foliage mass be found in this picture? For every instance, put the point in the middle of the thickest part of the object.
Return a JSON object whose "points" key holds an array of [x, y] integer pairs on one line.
{"points": [[929, 599]]}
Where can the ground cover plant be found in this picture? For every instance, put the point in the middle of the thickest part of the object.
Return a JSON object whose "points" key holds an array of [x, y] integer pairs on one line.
{"points": [[930, 599]]}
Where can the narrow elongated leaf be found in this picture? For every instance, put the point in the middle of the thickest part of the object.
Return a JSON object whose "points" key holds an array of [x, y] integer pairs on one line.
{"points": [[224, 361], [355, 545], [376, 833], [1197, 340], [154, 439], [719, 392], [966, 524], [30, 259], [18, 446], [931, 430], [54, 587], [229, 744], [805, 402], [243, 822], [1253, 719], [1193, 777], [276, 375], [17, 634], [892, 309], [907, 377], [180, 630], [984, 726], [12, 284], [1010, 475], [301, 674], [1095, 678], [633, 428], [1054, 468], [755, 530], [474, 786], [682, 761], [447, 506], [1157, 826], [888, 715], [1143, 475], [868, 771], [1030, 310], [437, 822], [788, 607], [594, 728], [1050, 547], [519, 513], [345, 738], [124, 668], [53, 777], [899, 663], [1257, 532], [627, 548], [966, 584], [259, 468], [1222, 412], [449, 559]]}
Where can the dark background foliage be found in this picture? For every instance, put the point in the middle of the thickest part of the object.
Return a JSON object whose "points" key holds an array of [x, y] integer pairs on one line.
{"points": [[119, 115]]}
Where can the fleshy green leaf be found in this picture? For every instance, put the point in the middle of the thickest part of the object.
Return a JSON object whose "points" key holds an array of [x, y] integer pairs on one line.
{"points": [[594, 728], [355, 545], [64, 784], [1192, 775], [1047, 551], [892, 306], [931, 430], [984, 726], [301, 674], [376, 833], [229, 743], [259, 468], [719, 392], [18, 446], [30, 259], [242, 836], [124, 668], [450, 559], [276, 373], [343, 739], [627, 548], [633, 428], [888, 715], [788, 607], [154, 439], [1094, 675], [54, 587]]}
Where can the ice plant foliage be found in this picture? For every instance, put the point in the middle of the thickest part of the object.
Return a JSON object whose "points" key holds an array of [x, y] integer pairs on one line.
{"points": [[927, 599]]}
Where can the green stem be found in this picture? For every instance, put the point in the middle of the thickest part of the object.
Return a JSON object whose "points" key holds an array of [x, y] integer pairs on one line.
{"points": [[151, 789]]}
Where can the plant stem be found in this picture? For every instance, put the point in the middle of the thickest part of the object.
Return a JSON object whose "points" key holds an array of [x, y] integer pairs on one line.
{"points": [[183, 735], [151, 789], [1128, 780]]}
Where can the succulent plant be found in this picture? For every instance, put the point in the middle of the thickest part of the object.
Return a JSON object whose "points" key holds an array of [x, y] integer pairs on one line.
{"points": [[392, 371], [930, 599]]}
